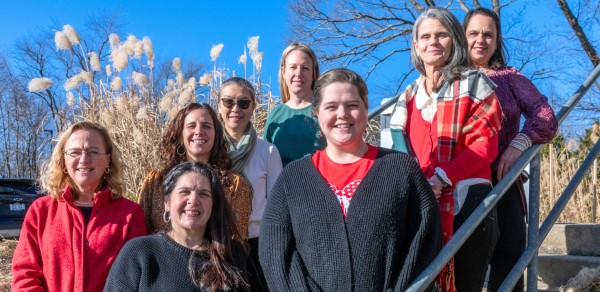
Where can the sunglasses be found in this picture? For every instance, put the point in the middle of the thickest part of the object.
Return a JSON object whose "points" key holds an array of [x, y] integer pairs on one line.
{"points": [[230, 102]]}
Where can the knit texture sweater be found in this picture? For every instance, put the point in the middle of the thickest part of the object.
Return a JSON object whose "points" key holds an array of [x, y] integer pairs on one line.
{"points": [[157, 263], [392, 230]]}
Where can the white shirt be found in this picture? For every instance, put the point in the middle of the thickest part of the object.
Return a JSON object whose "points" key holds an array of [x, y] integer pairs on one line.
{"points": [[262, 170], [425, 102]]}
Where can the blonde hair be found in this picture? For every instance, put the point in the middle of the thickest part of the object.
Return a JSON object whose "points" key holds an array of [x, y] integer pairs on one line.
{"points": [[53, 178], [285, 92]]}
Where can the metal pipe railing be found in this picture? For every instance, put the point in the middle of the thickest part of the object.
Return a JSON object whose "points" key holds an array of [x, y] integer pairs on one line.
{"points": [[534, 220], [531, 251], [458, 239], [384, 106]]}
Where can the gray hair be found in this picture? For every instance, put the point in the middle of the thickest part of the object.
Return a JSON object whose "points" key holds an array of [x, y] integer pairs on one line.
{"points": [[241, 82], [459, 58]]}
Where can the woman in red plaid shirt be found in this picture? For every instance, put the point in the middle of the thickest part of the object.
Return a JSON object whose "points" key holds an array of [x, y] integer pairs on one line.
{"points": [[450, 116]]}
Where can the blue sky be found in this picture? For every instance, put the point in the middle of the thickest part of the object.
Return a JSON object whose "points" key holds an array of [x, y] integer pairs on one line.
{"points": [[191, 28]]}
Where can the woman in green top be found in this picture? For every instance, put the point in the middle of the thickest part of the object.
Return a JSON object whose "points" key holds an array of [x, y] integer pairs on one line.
{"points": [[291, 126]]}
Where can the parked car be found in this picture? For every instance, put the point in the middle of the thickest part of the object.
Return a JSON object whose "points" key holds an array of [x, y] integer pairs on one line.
{"points": [[16, 195]]}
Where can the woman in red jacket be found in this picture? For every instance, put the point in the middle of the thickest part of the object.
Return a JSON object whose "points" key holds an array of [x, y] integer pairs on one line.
{"points": [[71, 237]]}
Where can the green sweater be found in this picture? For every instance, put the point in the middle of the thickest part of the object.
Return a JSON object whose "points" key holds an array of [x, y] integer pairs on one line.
{"points": [[295, 132]]}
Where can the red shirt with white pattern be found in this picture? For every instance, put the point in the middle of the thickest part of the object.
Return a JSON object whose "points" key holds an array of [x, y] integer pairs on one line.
{"points": [[344, 178]]}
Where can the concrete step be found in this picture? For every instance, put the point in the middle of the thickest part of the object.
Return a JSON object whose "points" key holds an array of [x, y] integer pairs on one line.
{"points": [[573, 239], [556, 270]]}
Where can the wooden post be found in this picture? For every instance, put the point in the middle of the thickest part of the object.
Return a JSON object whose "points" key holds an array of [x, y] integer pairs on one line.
{"points": [[551, 158], [595, 184]]}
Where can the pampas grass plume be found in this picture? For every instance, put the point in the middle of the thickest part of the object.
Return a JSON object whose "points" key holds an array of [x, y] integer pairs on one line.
{"points": [[107, 119], [205, 80], [192, 84], [140, 79], [94, 61], [165, 104], [87, 77], [74, 82], [62, 41], [72, 34], [119, 58], [185, 96], [114, 39], [108, 71], [70, 98], [176, 65], [142, 113], [39, 84], [257, 59], [179, 78], [243, 58], [116, 83], [215, 52], [253, 44], [130, 44], [149, 48], [138, 50], [138, 136]]}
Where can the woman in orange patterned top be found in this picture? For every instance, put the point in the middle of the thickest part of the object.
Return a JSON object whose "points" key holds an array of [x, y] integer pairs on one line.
{"points": [[195, 134]]}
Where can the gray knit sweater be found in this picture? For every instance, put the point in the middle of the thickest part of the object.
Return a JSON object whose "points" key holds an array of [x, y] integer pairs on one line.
{"points": [[392, 230]]}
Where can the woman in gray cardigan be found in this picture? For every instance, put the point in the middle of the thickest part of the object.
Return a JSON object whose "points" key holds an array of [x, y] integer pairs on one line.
{"points": [[352, 217]]}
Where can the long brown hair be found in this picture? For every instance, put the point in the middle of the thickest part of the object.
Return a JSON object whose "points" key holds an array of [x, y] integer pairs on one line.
{"points": [[285, 92], [220, 263], [171, 143], [53, 178], [498, 59]]}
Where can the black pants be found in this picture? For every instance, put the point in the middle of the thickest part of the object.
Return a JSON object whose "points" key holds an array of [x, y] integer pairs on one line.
{"points": [[513, 238], [472, 259], [253, 242]]}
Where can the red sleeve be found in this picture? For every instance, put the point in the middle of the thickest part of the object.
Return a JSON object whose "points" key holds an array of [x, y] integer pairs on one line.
{"points": [[27, 259], [137, 225], [475, 157]]}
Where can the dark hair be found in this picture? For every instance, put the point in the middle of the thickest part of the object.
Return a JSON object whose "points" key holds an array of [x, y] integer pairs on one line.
{"points": [[241, 82], [340, 75], [498, 59], [171, 143], [220, 263], [459, 58]]}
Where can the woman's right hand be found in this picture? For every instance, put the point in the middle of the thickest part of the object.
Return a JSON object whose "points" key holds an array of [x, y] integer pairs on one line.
{"points": [[436, 186]]}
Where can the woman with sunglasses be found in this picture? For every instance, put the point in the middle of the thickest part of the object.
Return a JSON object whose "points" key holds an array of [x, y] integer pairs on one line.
{"points": [[291, 126], [194, 135], [257, 160]]}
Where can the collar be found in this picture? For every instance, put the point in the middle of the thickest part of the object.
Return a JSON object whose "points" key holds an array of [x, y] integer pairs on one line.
{"points": [[422, 99], [100, 199]]}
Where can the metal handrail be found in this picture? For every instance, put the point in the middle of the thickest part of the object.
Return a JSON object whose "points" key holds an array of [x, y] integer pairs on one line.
{"points": [[467, 228]]}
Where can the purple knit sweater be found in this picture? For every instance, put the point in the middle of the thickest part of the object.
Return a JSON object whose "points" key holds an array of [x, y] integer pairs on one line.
{"points": [[517, 95]]}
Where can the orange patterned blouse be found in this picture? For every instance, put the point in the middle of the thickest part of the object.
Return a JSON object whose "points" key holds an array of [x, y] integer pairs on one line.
{"points": [[152, 202]]}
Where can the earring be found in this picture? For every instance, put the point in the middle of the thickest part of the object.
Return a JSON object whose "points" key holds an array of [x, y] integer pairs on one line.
{"points": [[165, 217], [65, 170], [181, 147], [107, 170]]}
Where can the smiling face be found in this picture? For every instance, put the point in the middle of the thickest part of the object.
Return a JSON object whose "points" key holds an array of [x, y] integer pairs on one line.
{"points": [[190, 205], [342, 115], [298, 73], [482, 38], [434, 43], [198, 135], [87, 170], [235, 118]]}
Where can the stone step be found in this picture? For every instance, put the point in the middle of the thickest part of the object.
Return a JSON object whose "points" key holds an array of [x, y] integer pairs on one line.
{"points": [[573, 239], [556, 270]]}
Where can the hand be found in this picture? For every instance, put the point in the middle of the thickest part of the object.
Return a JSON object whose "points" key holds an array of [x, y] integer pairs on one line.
{"points": [[508, 160], [436, 186]]}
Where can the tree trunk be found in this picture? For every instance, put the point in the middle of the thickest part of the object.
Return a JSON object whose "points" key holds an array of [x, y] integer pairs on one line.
{"points": [[574, 23]]}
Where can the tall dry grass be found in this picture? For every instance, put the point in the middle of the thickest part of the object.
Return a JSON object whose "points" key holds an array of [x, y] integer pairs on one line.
{"points": [[564, 165], [127, 103]]}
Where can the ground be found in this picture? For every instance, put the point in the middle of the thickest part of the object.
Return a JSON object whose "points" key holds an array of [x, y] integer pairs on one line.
{"points": [[7, 248]]}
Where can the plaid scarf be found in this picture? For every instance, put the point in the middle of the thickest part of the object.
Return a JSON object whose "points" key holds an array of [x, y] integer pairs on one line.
{"points": [[467, 109]]}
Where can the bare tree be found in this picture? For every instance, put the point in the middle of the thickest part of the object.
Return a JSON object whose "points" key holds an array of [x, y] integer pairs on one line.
{"points": [[578, 30]]}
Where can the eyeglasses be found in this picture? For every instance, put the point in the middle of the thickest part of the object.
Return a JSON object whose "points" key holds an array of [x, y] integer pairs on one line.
{"points": [[230, 102], [76, 153]]}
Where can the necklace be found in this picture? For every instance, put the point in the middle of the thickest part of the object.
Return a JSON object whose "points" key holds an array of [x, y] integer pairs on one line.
{"points": [[90, 203]]}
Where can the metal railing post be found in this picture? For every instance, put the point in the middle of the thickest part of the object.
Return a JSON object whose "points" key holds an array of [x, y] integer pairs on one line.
{"points": [[534, 221]]}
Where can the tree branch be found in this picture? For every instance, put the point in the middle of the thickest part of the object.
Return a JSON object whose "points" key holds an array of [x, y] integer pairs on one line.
{"points": [[574, 23]]}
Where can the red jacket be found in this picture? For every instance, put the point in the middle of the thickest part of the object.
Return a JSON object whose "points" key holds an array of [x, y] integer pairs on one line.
{"points": [[57, 253]]}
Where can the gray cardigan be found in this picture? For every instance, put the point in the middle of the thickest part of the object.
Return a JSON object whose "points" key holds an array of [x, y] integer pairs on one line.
{"points": [[391, 233]]}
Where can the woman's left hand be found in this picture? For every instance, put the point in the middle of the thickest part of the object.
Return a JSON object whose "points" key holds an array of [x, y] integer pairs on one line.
{"points": [[508, 160]]}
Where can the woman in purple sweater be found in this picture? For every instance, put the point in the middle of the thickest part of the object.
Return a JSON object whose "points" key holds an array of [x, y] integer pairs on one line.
{"points": [[517, 96]]}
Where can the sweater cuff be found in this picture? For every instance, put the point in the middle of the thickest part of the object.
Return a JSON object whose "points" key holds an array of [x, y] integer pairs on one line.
{"points": [[443, 175]]}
